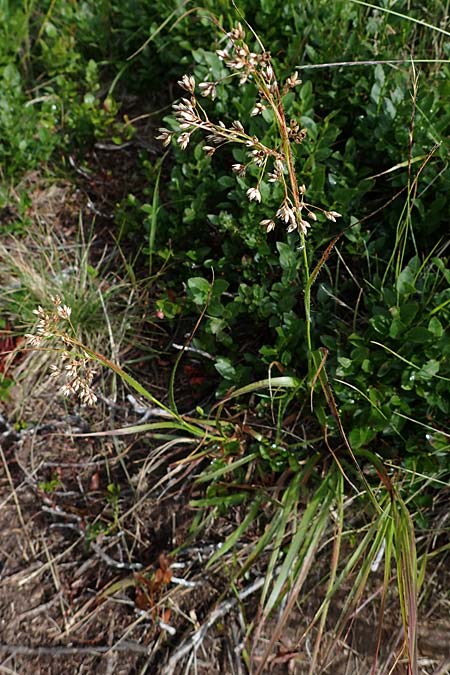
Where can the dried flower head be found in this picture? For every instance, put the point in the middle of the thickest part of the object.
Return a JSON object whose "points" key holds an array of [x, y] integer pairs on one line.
{"points": [[33, 341], [239, 169], [208, 89], [332, 215], [209, 150], [254, 194], [74, 370], [237, 33], [286, 213], [291, 82], [183, 140], [64, 312], [304, 225], [269, 224], [256, 66], [165, 136], [237, 126], [187, 83], [258, 109]]}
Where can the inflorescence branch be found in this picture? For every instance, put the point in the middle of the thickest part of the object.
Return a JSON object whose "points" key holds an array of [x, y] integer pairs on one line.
{"points": [[293, 211]]}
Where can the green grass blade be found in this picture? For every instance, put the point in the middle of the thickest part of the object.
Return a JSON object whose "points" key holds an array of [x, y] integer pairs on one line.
{"points": [[237, 534], [209, 476], [402, 16], [339, 525], [307, 532], [288, 509], [154, 218]]}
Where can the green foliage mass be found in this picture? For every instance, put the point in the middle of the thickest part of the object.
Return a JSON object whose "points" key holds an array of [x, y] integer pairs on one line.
{"points": [[376, 151], [51, 92]]}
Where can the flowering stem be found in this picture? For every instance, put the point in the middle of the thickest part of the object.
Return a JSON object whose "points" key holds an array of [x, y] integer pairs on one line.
{"points": [[298, 205], [191, 428]]}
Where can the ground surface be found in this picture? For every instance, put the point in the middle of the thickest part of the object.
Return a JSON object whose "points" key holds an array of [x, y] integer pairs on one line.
{"points": [[73, 593]]}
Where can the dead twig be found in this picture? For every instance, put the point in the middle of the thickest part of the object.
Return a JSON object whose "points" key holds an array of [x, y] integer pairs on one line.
{"points": [[193, 642], [61, 650]]}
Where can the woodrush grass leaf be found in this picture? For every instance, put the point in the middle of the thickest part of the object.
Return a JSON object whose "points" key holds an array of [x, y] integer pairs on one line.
{"points": [[400, 165], [379, 468], [439, 432], [404, 223], [210, 476], [329, 396], [307, 532], [154, 217], [287, 511], [152, 36], [410, 363], [302, 550], [361, 393], [407, 578], [337, 539], [386, 553], [440, 307], [233, 539], [222, 500], [271, 383], [137, 386], [365, 554], [140, 429], [271, 531], [372, 62], [263, 543]]}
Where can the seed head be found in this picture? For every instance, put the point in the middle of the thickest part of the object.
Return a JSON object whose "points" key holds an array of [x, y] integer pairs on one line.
{"points": [[237, 33], [258, 109], [223, 54], [209, 150], [237, 126], [304, 225], [254, 194], [165, 136], [259, 157], [332, 215], [239, 169], [187, 83], [293, 81], [33, 340], [268, 73], [286, 214], [208, 89], [64, 312], [269, 224], [183, 140]]}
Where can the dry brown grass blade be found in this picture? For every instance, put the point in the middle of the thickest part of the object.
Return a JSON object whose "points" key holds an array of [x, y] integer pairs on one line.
{"points": [[405, 547], [293, 595], [303, 548]]}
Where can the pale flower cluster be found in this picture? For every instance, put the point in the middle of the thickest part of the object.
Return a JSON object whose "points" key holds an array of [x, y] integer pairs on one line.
{"points": [[276, 162], [75, 372]]}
